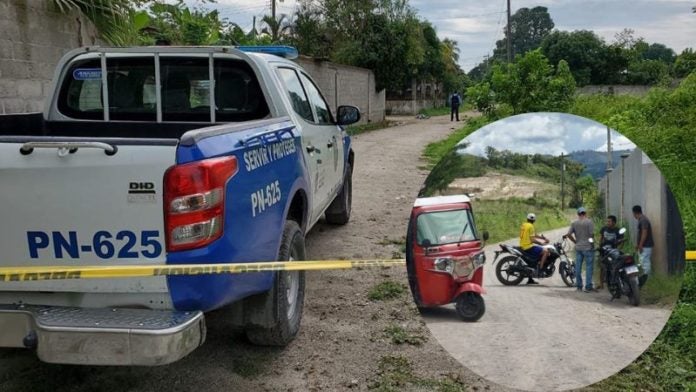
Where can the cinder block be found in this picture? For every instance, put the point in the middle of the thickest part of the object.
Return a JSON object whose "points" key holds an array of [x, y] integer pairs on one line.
{"points": [[9, 30], [46, 87], [29, 89], [6, 52], [13, 105], [8, 88], [35, 105], [12, 69]]}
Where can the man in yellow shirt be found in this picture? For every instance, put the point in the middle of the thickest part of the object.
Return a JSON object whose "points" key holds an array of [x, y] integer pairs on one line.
{"points": [[529, 241]]}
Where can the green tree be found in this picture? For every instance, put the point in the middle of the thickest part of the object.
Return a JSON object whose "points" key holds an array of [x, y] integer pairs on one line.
{"points": [[586, 54], [646, 72], [177, 24], [482, 98], [528, 28], [530, 84], [309, 32], [277, 29], [659, 52], [584, 189], [685, 63]]}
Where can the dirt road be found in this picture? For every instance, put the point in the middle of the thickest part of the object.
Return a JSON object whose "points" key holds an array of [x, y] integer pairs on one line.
{"points": [[547, 337], [342, 344]]}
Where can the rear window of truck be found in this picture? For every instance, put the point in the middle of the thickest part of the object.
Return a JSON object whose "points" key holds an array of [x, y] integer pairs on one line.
{"points": [[185, 90]]}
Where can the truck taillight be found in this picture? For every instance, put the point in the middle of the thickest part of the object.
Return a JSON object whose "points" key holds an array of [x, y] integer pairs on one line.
{"points": [[194, 202]]}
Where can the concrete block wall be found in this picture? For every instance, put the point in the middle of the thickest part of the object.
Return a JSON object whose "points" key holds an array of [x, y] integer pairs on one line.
{"points": [[34, 35], [643, 185], [347, 85], [411, 107]]}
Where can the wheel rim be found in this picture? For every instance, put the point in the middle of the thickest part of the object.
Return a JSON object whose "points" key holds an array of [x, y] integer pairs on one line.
{"points": [[469, 305], [504, 271], [292, 288]]}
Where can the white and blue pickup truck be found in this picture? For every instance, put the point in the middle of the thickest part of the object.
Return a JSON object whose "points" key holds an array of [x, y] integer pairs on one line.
{"points": [[166, 155]]}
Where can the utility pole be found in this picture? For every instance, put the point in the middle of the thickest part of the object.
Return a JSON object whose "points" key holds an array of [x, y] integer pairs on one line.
{"points": [[509, 38], [253, 27], [273, 8], [609, 158], [609, 168], [562, 182]]}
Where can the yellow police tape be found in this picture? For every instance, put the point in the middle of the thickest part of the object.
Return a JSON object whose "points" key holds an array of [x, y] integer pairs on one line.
{"points": [[23, 274]]}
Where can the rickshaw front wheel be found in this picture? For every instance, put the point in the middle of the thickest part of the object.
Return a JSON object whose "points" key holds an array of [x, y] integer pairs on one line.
{"points": [[470, 306]]}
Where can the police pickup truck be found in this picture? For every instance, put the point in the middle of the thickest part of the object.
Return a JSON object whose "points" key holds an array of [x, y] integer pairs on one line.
{"points": [[165, 155]]}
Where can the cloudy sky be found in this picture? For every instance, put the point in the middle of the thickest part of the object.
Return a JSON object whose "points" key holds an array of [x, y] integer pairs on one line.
{"points": [[476, 25], [544, 133]]}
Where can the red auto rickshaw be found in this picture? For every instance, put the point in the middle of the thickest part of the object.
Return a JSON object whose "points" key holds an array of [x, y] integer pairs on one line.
{"points": [[444, 255]]}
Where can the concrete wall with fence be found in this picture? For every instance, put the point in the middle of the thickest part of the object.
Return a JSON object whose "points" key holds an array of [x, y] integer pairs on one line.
{"points": [[347, 85], [34, 35], [421, 95], [637, 181]]}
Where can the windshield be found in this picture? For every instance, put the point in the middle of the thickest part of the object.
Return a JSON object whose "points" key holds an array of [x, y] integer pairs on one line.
{"points": [[446, 227], [185, 90]]}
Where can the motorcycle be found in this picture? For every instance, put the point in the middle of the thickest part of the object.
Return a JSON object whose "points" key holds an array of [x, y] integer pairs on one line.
{"points": [[512, 269], [621, 273]]}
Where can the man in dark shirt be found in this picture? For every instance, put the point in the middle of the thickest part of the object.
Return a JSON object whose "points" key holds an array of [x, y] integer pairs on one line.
{"points": [[455, 101], [645, 239], [609, 235]]}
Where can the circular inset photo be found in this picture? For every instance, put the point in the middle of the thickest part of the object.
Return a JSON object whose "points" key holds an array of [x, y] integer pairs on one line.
{"points": [[545, 252]]}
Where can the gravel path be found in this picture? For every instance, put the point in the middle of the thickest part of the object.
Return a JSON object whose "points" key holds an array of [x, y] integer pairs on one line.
{"points": [[547, 337]]}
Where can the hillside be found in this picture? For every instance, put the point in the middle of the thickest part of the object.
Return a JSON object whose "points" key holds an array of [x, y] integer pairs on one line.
{"points": [[595, 162]]}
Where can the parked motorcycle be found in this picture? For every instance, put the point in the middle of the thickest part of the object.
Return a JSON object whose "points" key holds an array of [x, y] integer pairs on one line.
{"points": [[517, 266], [621, 273]]}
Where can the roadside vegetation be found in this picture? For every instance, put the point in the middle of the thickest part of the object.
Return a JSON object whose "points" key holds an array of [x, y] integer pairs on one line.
{"points": [[445, 110], [354, 130], [502, 218], [386, 290], [396, 373], [399, 335]]}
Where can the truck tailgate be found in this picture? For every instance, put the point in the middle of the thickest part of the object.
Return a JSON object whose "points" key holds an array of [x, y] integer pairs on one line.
{"points": [[83, 207]]}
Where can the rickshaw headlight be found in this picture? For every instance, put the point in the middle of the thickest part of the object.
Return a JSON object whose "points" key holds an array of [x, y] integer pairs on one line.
{"points": [[444, 264], [479, 259]]}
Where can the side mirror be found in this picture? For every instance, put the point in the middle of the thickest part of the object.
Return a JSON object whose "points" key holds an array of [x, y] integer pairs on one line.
{"points": [[348, 115], [485, 235], [427, 243], [622, 231]]}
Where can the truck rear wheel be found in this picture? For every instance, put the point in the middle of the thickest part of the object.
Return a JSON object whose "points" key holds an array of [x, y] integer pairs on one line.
{"points": [[287, 294], [338, 212]]}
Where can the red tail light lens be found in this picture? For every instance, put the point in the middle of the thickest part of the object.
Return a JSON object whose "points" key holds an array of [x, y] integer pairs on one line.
{"points": [[194, 202], [628, 260]]}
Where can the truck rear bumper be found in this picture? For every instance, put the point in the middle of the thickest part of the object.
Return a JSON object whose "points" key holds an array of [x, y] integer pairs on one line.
{"points": [[102, 336]]}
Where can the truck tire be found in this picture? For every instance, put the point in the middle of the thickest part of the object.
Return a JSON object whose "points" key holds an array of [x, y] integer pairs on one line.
{"points": [[338, 212], [288, 294]]}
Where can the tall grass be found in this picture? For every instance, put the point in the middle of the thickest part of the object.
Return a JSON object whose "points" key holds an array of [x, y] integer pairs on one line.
{"points": [[502, 218]]}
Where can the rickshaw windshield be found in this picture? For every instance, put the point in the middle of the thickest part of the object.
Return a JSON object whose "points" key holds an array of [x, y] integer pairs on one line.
{"points": [[446, 227]]}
